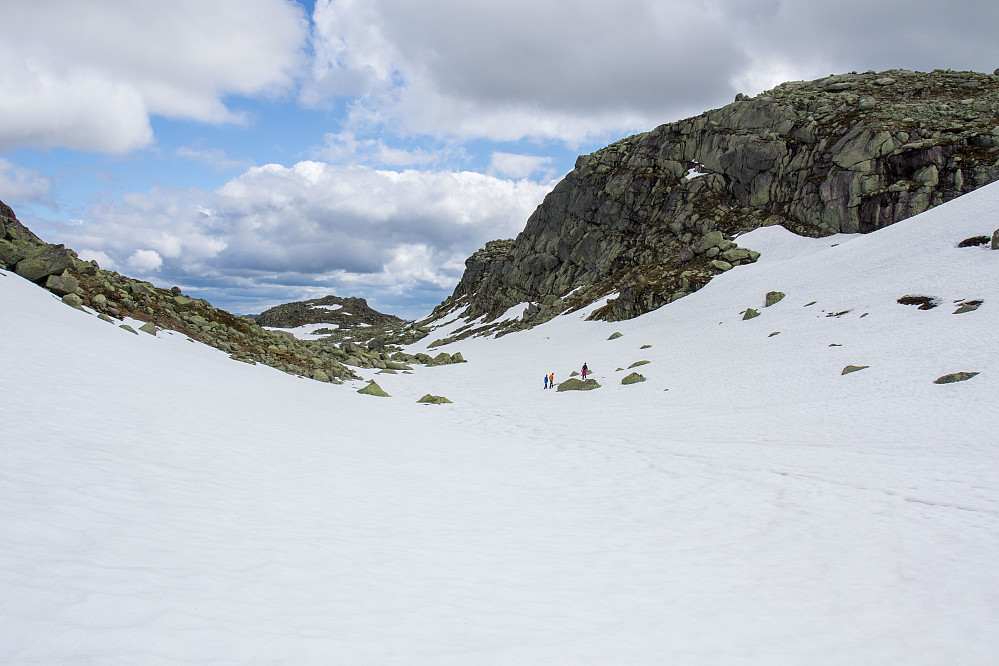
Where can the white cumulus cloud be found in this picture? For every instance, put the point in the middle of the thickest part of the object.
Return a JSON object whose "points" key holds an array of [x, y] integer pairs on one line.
{"points": [[87, 76], [313, 228], [145, 261]]}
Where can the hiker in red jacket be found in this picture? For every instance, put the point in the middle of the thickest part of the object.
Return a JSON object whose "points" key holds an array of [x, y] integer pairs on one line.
{"points": [[585, 370]]}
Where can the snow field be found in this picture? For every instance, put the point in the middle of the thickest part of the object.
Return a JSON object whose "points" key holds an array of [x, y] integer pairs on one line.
{"points": [[162, 503]]}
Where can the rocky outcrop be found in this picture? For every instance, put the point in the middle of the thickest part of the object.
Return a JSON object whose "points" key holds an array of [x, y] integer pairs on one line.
{"points": [[573, 384], [633, 378], [341, 312], [429, 399], [371, 388], [655, 216]]}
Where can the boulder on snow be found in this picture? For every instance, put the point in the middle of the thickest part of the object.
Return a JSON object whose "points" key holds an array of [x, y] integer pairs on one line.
{"points": [[62, 284], [954, 377], [968, 306], [574, 384], [633, 378], [374, 389], [853, 368], [773, 297], [434, 400]]}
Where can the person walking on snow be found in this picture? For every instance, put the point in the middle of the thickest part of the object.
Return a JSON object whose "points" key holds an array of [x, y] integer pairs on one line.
{"points": [[551, 380], [585, 370], [546, 381]]}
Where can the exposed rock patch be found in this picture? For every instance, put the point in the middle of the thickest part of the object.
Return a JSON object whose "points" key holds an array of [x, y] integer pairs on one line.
{"points": [[574, 384], [434, 400], [954, 377], [633, 378], [373, 389], [969, 306], [924, 302]]}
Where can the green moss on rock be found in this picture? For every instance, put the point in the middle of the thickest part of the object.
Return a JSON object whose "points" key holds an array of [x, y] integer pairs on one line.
{"points": [[633, 378], [374, 389], [574, 384]]}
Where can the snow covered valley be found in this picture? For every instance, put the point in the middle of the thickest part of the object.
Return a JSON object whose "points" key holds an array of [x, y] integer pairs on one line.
{"points": [[747, 504]]}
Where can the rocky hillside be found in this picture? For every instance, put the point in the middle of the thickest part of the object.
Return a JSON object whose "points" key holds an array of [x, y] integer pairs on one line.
{"points": [[114, 297], [655, 216]]}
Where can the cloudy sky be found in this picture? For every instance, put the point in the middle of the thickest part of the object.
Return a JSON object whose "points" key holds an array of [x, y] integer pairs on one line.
{"points": [[256, 152]]}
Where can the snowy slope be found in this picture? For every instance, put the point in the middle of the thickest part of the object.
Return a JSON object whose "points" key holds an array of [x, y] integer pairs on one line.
{"points": [[161, 503]]}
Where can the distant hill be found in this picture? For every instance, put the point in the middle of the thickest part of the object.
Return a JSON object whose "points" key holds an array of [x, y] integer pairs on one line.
{"points": [[653, 217], [347, 312]]}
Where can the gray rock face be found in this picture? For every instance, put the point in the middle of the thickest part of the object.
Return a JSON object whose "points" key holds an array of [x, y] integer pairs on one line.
{"points": [[45, 261], [63, 284], [654, 216]]}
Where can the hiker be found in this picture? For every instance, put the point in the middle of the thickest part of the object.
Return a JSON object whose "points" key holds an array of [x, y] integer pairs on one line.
{"points": [[551, 380], [546, 381], [585, 370]]}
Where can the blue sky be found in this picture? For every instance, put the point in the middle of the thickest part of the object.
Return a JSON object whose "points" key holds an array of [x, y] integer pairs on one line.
{"points": [[256, 152]]}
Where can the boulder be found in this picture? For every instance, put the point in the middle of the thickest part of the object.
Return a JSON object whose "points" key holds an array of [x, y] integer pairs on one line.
{"points": [[574, 384], [149, 327], [969, 306], [773, 297], [734, 255], [633, 378], [434, 400], [615, 336], [721, 265], [853, 368], [954, 377], [995, 240], [48, 260], [638, 363], [62, 284], [73, 301], [373, 389], [750, 313], [10, 254], [710, 240]]}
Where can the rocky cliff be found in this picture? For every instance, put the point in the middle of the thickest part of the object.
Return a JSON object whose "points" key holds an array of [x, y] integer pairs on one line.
{"points": [[654, 216]]}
